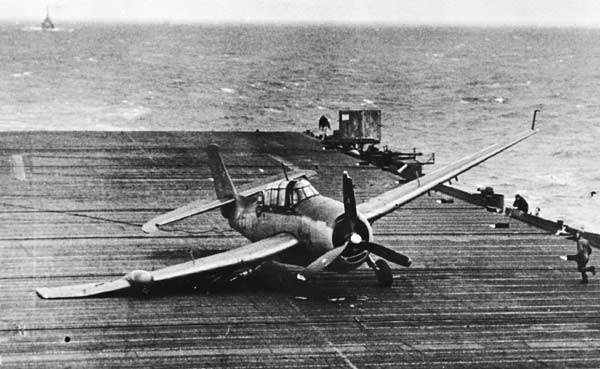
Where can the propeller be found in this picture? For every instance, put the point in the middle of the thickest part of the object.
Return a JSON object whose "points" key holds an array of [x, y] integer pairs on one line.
{"points": [[324, 260], [355, 239], [386, 253], [349, 199], [347, 235]]}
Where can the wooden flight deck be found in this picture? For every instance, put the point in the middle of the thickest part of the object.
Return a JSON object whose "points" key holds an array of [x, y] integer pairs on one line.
{"points": [[71, 208]]}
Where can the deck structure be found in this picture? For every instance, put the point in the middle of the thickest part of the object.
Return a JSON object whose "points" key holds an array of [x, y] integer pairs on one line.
{"points": [[71, 208]]}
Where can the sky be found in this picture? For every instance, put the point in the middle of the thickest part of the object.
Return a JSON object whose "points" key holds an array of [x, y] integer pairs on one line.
{"points": [[579, 13]]}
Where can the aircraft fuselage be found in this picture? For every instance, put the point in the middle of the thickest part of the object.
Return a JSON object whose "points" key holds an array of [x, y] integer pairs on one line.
{"points": [[314, 222]]}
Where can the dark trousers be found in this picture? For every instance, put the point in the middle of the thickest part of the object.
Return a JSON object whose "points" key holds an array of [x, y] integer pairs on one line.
{"points": [[581, 266]]}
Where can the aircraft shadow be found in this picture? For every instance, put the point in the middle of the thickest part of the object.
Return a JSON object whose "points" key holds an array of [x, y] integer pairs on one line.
{"points": [[318, 287]]}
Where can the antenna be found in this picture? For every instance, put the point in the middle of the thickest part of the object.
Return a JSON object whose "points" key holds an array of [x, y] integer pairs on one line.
{"points": [[533, 121], [284, 172]]}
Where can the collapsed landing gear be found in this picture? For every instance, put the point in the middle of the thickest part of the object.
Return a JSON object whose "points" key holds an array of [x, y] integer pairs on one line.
{"points": [[382, 271]]}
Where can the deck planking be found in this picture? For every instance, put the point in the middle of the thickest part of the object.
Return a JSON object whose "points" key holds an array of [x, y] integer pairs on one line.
{"points": [[72, 205]]}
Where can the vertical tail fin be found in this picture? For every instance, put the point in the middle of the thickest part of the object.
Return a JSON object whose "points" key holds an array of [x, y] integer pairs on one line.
{"points": [[223, 184]]}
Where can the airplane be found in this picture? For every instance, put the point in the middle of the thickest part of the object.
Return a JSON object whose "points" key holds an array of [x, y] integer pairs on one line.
{"points": [[291, 227]]}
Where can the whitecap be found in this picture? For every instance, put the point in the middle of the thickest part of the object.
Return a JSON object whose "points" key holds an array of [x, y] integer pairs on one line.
{"points": [[92, 60], [564, 179], [134, 113], [23, 74], [39, 29], [31, 29], [500, 100], [367, 101], [272, 110], [227, 90]]}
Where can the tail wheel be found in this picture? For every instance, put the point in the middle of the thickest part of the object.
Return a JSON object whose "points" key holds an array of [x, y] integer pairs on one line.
{"points": [[384, 273]]}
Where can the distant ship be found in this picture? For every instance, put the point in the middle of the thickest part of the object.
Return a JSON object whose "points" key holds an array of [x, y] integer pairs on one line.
{"points": [[47, 23]]}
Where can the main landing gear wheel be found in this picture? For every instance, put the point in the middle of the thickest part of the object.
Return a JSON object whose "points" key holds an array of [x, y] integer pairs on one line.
{"points": [[382, 271]]}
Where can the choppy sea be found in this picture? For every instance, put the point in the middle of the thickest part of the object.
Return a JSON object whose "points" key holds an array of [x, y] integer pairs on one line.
{"points": [[446, 90]]}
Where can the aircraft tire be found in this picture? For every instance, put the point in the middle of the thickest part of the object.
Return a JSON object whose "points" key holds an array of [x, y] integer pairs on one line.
{"points": [[384, 273]]}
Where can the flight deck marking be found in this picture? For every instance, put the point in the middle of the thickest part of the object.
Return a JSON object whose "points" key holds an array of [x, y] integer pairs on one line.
{"points": [[19, 167]]}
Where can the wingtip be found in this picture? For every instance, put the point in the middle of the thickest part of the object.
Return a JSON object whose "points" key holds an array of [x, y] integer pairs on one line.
{"points": [[150, 228], [42, 292]]}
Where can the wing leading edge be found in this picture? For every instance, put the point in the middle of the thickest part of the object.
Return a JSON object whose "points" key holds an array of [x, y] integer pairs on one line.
{"points": [[378, 206], [245, 255]]}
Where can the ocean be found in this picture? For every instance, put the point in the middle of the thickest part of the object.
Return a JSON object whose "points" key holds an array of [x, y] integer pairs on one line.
{"points": [[447, 90]]}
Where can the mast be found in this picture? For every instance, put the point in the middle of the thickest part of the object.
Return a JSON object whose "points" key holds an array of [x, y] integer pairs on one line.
{"points": [[47, 23]]}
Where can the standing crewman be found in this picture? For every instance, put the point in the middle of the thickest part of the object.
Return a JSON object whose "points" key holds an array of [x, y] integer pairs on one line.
{"points": [[582, 257]]}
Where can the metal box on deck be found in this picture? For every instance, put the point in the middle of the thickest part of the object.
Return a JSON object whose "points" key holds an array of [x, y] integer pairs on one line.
{"points": [[360, 126]]}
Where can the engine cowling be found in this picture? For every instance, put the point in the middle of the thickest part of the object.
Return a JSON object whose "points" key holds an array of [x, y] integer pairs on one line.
{"points": [[350, 233], [345, 227]]}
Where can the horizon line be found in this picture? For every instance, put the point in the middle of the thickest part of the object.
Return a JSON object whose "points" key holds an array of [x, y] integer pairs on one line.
{"points": [[303, 22]]}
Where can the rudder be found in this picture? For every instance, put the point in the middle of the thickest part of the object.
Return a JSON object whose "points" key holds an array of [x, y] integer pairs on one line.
{"points": [[223, 184]]}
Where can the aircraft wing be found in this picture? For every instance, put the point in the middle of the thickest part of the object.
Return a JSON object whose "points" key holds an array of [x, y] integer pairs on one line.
{"points": [[235, 257], [82, 290], [377, 207], [240, 256], [201, 206]]}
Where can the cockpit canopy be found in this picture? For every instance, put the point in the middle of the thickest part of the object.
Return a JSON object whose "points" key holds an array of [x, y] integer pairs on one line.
{"points": [[288, 193]]}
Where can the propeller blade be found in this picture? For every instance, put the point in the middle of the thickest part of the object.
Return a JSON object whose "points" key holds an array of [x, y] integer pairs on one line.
{"points": [[349, 200], [327, 258], [387, 253]]}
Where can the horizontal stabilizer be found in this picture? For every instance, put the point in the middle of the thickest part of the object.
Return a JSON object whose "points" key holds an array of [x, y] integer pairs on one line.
{"points": [[194, 208], [201, 206], [82, 290]]}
